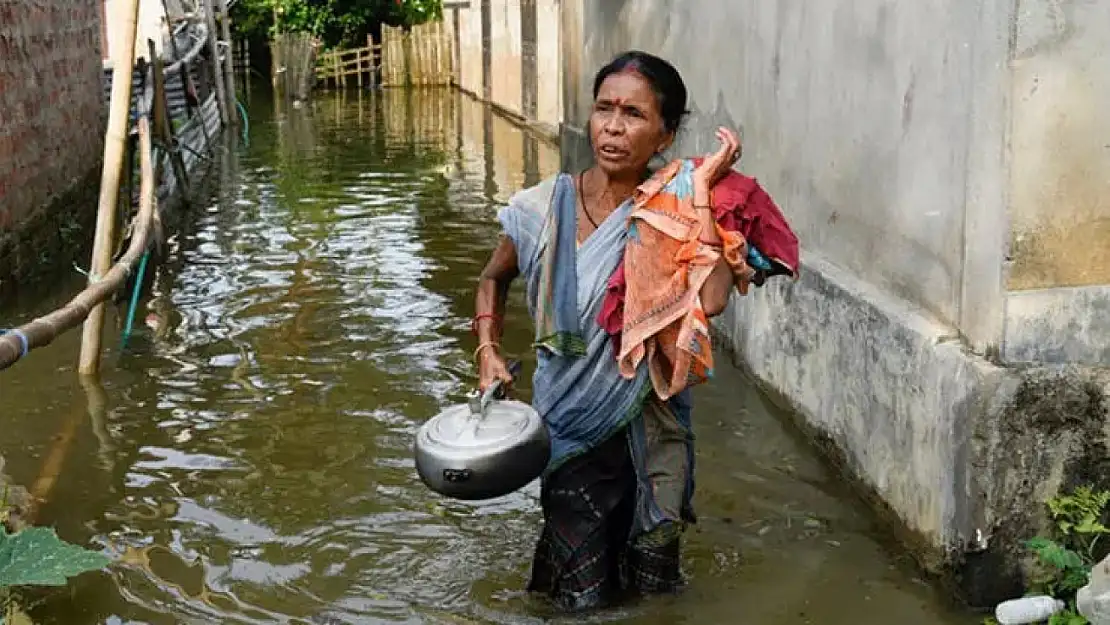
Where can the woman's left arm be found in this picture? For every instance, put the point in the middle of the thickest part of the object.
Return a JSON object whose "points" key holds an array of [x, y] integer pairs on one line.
{"points": [[718, 287]]}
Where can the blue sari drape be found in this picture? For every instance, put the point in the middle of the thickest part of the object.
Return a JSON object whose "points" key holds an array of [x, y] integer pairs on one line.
{"points": [[582, 396]]}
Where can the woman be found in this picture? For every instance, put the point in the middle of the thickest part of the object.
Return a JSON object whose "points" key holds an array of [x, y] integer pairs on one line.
{"points": [[617, 492]]}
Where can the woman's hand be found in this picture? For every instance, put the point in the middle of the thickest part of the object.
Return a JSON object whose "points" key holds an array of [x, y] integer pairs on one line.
{"points": [[492, 367], [716, 165]]}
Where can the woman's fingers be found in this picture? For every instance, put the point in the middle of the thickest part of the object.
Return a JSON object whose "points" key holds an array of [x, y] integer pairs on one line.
{"points": [[733, 142], [720, 161], [729, 151]]}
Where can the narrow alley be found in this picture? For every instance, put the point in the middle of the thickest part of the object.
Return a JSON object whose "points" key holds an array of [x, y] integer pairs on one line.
{"points": [[248, 458]]}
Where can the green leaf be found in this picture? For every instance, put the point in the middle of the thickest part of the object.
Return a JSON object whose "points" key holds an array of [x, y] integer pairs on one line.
{"points": [[1074, 579], [37, 557], [1067, 617], [1053, 554], [1090, 525]]}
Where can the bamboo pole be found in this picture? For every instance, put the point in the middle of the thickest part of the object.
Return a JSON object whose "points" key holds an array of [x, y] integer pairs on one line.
{"points": [[163, 126], [42, 331], [115, 141], [229, 67], [214, 49]]}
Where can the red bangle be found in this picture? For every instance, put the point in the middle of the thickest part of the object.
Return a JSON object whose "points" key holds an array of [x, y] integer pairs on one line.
{"points": [[477, 318]]}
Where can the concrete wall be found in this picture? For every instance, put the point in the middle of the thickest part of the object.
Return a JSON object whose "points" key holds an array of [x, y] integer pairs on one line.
{"points": [[889, 133], [1059, 306], [1060, 178], [470, 74], [505, 55], [510, 55], [51, 111], [863, 132]]}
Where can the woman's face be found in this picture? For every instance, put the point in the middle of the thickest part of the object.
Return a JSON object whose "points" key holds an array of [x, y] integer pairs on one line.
{"points": [[626, 126]]}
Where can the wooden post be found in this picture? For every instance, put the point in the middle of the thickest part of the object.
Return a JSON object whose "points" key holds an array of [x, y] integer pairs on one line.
{"points": [[163, 125], [229, 68], [375, 65], [115, 140], [358, 66], [214, 49]]}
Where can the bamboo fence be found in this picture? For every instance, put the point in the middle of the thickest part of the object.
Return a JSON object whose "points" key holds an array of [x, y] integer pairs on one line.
{"points": [[420, 57], [40, 332], [340, 68]]}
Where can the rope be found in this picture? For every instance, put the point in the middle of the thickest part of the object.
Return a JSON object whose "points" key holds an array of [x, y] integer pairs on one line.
{"points": [[93, 278], [24, 344]]}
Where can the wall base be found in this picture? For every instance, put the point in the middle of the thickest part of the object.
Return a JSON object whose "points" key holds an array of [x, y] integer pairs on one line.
{"points": [[1058, 325], [56, 236], [958, 452]]}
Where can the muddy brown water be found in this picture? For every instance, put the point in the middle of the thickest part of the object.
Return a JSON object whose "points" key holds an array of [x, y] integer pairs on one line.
{"points": [[247, 457]]}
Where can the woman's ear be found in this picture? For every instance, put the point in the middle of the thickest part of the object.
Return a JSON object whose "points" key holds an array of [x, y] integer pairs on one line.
{"points": [[666, 144]]}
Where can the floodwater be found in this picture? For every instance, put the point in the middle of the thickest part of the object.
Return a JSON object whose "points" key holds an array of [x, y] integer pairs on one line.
{"points": [[247, 457]]}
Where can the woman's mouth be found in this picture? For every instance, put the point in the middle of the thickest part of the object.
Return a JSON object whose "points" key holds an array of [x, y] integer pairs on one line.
{"points": [[611, 152]]}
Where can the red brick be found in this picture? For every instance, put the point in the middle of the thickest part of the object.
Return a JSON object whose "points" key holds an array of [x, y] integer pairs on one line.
{"points": [[51, 106]]}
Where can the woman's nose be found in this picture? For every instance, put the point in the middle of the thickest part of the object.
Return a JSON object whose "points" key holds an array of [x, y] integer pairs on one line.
{"points": [[614, 124]]}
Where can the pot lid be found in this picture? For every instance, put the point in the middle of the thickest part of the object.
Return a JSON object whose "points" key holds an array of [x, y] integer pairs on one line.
{"points": [[504, 422]]}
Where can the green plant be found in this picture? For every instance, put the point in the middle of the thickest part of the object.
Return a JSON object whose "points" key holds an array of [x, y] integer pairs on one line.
{"points": [[35, 556], [1064, 561]]}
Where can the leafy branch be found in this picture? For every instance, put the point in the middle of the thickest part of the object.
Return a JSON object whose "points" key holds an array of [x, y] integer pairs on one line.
{"points": [[334, 22]]}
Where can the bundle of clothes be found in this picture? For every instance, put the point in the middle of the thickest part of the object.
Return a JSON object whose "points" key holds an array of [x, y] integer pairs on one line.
{"points": [[652, 310]]}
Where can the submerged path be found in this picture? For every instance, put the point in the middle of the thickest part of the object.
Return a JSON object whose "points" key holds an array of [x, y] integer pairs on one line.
{"points": [[249, 457]]}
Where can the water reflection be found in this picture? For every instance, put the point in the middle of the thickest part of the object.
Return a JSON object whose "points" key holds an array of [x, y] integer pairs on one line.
{"points": [[248, 460]]}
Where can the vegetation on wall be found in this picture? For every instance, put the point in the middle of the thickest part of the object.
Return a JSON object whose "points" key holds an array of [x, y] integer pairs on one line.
{"points": [[334, 22], [1078, 539]]}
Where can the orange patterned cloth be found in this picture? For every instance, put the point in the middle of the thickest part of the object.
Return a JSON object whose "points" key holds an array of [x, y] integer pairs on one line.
{"points": [[665, 266]]}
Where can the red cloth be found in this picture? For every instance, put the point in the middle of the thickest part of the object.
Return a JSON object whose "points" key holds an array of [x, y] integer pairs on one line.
{"points": [[740, 205]]}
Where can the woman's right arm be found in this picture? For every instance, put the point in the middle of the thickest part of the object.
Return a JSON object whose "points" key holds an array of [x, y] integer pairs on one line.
{"points": [[489, 309]]}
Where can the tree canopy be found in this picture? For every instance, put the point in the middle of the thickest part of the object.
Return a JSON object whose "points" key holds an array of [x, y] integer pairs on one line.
{"points": [[334, 22]]}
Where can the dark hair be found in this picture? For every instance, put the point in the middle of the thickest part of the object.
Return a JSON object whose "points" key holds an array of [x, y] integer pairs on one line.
{"points": [[664, 79]]}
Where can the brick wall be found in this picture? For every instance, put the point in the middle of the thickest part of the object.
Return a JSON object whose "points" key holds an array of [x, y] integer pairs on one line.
{"points": [[52, 111]]}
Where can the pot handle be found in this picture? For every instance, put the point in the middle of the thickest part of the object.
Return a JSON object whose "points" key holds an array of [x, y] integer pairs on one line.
{"points": [[495, 390]]}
